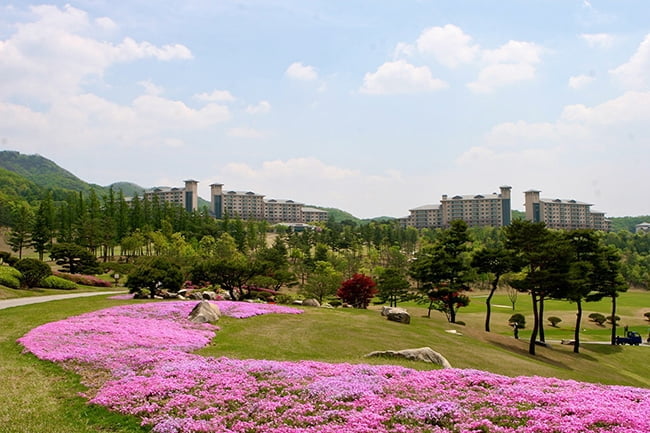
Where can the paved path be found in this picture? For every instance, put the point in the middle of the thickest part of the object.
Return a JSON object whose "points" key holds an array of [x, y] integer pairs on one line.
{"points": [[16, 302]]}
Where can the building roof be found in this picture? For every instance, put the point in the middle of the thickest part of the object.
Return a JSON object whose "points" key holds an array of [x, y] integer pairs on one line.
{"points": [[313, 209], [492, 196], [281, 201], [426, 207], [558, 200], [245, 193]]}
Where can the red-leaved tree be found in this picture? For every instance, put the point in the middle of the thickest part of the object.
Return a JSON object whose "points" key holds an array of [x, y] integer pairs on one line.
{"points": [[357, 291]]}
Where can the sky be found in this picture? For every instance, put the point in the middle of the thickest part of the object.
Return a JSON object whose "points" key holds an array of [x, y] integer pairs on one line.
{"points": [[370, 106]]}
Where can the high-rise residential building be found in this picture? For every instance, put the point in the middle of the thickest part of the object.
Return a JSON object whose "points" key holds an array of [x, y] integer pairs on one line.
{"points": [[187, 197], [478, 210], [563, 214]]}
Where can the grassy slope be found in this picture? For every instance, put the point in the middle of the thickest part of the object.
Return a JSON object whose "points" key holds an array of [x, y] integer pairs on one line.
{"points": [[38, 396]]}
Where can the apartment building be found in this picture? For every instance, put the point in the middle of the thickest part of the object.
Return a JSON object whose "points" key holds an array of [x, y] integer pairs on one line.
{"points": [[313, 215], [187, 196], [563, 214], [478, 210], [248, 205]]}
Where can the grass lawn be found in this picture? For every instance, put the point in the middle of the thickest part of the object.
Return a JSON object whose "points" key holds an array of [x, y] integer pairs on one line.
{"points": [[38, 396]]}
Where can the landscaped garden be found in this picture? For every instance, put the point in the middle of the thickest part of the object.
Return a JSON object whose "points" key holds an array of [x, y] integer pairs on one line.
{"points": [[144, 361]]}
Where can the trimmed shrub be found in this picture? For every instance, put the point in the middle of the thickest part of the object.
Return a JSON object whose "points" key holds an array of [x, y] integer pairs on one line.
{"points": [[84, 280], [54, 282], [10, 277], [611, 319], [554, 320], [33, 271], [647, 315], [519, 319], [598, 318]]}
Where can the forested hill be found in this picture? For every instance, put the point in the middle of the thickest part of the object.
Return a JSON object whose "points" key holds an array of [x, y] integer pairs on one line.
{"points": [[42, 172]]}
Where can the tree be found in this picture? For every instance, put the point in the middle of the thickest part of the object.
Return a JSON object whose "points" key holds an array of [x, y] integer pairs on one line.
{"points": [[609, 280], [33, 271], [444, 271], [322, 282], [21, 226], [357, 291], [392, 285], [155, 274], [495, 261], [43, 229], [545, 259], [553, 320], [74, 259]]}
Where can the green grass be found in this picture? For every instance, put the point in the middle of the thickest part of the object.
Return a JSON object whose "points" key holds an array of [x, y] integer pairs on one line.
{"points": [[38, 396]]}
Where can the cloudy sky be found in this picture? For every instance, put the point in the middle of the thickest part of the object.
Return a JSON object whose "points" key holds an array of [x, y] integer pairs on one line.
{"points": [[371, 106]]}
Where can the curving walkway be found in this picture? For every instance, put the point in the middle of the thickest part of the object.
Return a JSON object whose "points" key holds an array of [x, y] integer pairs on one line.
{"points": [[17, 302]]}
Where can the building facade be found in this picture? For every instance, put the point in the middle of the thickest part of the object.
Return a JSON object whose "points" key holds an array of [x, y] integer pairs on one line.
{"points": [[480, 210], [187, 197], [563, 214]]}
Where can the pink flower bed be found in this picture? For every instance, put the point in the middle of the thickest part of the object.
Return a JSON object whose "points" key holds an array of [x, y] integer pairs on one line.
{"points": [[146, 349]]}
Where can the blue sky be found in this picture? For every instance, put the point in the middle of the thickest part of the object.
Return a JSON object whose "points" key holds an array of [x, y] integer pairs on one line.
{"points": [[374, 107]]}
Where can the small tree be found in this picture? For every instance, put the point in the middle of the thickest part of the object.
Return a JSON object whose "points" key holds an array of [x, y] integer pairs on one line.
{"points": [[74, 259], [554, 320], [613, 320], [357, 291], [322, 282], [647, 315], [517, 319], [155, 275], [598, 318], [392, 285], [33, 272]]}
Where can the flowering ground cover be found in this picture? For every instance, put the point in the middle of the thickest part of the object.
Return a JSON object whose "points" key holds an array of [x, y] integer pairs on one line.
{"points": [[145, 351]]}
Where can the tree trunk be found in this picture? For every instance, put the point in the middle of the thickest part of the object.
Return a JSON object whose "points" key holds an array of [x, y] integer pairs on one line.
{"points": [[541, 319], [533, 335], [576, 334], [488, 304], [613, 342]]}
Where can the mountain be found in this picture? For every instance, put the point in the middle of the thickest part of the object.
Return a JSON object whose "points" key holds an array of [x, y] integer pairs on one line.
{"points": [[129, 189], [42, 172]]}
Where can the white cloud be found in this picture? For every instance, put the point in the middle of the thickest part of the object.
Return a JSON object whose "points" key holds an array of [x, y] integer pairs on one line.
{"points": [[449, 45], [249, 133], [512, 62], [635, 74], [298, 71], [598, 40], [400, 77], [216, 96], [580, 81], [105, 23], [150, 88], [55, 55], [261, 107]]}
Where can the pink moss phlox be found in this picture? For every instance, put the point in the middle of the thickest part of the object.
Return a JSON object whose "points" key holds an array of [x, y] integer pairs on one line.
{"points": [[147, 350]]}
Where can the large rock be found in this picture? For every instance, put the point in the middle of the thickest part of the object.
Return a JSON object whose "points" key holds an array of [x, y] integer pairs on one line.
{"points": [[209, 295], [204, 312], [424, 354], [396, 314], [311, 303]]}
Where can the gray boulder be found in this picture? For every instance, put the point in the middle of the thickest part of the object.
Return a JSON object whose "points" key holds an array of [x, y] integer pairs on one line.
{"points": [[311, 303], [424, 354], [209, 295], [204, 312], [396, 314]]}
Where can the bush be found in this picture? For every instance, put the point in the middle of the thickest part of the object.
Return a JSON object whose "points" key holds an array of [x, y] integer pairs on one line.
{"points": [[554, 321], [84, 280], [598, 318], [54, 282], [10, 277], [284, 298], [647, 315], [34, 271], [519, 319], [612, 320]]}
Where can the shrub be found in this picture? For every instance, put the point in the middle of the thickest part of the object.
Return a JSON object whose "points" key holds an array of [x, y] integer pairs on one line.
{"points": [[518, 319], [4, 256], [33, 271], [611, 319], [357, 291], [284, 298], [10, 277], [598, 318], [85, 280], [54, 282], [554, 321], [460, 322], [647, 315]]}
